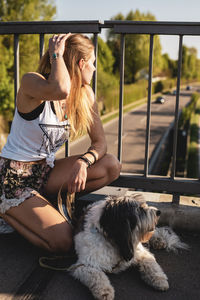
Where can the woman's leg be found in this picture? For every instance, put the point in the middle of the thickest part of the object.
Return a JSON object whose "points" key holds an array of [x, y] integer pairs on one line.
{"points": [[40, 223], [103, 172]]}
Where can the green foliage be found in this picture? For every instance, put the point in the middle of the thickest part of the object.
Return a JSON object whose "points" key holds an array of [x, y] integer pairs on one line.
{"points": [[19, 10], [158, 86], [106, 83], [136, 91], [163, 85], [187, 111], [105, 80], [132, 93], [29, 10], [169, 66], [190, 65], [192, 166], [6, 93], [105, 56], [136, 48]]}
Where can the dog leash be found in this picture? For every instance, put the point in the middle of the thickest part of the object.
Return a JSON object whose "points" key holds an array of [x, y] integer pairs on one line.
{"points": [[45, 265]]}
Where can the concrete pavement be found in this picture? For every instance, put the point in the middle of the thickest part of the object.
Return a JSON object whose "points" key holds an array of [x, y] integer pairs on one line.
{"points": [[21, 277]]}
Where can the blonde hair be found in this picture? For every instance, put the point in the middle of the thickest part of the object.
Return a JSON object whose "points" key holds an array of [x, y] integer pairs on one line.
{"points": [[79, 106]]}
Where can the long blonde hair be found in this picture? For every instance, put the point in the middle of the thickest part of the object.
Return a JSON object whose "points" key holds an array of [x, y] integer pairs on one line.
{"points": [[79, 106]]}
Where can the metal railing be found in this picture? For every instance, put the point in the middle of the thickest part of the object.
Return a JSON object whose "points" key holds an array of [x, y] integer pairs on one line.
{"points": [[146, 182]]}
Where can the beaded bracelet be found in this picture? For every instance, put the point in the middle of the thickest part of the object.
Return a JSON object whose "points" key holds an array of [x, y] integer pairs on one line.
{"points": [[85, 159], [93, 154], [54, 57]]}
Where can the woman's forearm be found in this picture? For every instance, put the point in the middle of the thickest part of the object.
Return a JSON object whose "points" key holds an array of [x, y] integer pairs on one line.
{"points": [[59, 77], [99, 149]]}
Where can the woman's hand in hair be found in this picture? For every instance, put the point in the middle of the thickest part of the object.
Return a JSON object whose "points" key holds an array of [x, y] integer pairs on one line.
{"points": [[57, 44]]}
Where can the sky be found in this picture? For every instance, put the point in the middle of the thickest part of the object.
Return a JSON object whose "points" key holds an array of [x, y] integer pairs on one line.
{"points": [[168, 10]]}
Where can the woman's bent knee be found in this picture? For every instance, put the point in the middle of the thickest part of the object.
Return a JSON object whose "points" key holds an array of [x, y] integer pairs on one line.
{"points": [[113, 167]]}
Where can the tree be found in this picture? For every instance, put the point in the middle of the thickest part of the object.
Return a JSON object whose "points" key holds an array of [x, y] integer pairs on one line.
{"points": [[28, 10], [189, 63], [105, 79], [105, 56], [137, 48], [20, 10], [169, 66]]}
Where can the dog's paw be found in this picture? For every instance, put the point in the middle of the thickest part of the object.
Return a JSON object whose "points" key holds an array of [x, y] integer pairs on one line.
{"points": [[106, 293], [158, 281], [166, 238], [161, 284], [158, 243]]}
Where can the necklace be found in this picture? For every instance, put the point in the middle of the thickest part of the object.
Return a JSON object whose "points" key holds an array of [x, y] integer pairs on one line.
{"points": [[62, 108]]}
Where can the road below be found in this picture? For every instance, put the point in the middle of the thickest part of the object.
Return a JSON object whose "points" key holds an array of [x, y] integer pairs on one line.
{"points": [[134, 127]]}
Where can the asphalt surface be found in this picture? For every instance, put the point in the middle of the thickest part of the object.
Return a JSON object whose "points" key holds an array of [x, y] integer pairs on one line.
{"points": [[21, 277]]}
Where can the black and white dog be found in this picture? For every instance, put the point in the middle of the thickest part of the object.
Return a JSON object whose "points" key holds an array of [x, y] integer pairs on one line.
{"points": [[111, 241]]}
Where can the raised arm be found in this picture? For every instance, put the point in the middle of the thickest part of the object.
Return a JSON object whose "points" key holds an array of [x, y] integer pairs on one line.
{"points": [[57, 86]]}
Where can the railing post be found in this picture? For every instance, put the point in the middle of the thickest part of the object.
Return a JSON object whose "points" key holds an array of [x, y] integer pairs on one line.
{"points": [[146, 163], [41, 44], [94, 82], [121, 95], [173, 171], [16, 65], [176, 199]]}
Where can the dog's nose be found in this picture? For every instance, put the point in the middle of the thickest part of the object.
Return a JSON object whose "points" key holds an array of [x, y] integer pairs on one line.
{"points": [[158, 213]]}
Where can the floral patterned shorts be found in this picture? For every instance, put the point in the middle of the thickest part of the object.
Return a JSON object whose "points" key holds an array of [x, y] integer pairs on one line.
{"points": [[20, 181]]}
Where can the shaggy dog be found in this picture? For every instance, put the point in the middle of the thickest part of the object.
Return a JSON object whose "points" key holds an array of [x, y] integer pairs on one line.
{"points": [[110, 241]]}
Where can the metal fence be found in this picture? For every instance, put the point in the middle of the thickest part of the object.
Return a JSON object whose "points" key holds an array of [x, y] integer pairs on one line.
{"points": [[146, 182]]}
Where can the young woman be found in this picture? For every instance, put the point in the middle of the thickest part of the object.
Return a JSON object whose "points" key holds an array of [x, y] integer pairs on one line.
{"points": [[49, 103]]}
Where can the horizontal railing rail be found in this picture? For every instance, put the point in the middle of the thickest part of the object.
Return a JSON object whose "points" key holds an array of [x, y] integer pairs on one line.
{"points": [[45, 27], [170, 184], [149, 27]]}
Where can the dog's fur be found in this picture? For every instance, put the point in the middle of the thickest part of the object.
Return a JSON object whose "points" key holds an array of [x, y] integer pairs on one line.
{"points": [[111, 241], [165, 238]]}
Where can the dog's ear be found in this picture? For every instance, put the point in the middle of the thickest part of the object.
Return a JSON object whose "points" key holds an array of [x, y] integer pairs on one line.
{"points": [[123, 239], [118, 227]]}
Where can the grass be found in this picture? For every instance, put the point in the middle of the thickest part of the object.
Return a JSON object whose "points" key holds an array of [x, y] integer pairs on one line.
{"points": [[193, 155]]}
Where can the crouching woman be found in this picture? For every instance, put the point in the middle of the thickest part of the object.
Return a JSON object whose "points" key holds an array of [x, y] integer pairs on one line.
{"points": [[50, 104]]}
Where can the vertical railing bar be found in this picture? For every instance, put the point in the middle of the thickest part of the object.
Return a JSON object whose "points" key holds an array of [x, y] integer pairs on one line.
{"points": [[121, 94], [146, 162], [94, 81], [175, 199], [173, 170], [67, 148], [41, 44], [16, 65]]}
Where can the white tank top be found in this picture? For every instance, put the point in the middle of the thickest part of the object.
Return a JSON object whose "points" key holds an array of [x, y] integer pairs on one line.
{"points": [[32, 140]]}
